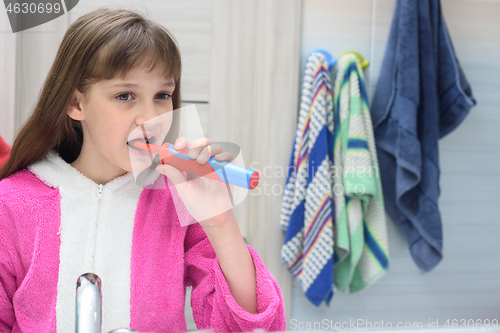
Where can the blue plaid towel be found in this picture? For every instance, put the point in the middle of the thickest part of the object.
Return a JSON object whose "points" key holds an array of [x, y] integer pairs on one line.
{"points": [[307, 210]]}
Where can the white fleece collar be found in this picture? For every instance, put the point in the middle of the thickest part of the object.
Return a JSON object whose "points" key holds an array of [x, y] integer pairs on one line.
{"points": [[56, 172]]}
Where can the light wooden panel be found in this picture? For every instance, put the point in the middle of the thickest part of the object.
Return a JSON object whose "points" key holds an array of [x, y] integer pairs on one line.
{"points": [[188, 21], [253, 103]]}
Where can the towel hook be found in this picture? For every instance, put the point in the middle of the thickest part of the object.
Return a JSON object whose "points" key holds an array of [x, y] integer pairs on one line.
{"points": [[329, 59], [363, 62]]}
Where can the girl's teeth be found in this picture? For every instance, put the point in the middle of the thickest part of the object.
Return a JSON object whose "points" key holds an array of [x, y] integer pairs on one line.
{"points": [[131, 142]]}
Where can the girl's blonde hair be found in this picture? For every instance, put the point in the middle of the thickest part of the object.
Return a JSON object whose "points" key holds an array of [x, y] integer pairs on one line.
{"points": [[102, 44]]}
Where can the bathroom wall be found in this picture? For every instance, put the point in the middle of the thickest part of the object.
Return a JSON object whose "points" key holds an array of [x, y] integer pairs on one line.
{"points": [[466, 284]]}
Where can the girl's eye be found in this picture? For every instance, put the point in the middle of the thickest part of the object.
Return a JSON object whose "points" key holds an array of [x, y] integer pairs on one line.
{"points": [[164, 95], [124, 94]]}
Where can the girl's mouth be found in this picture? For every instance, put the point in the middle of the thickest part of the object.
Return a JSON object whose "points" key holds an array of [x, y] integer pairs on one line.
{"points": [[149, 140], [138, 154]]}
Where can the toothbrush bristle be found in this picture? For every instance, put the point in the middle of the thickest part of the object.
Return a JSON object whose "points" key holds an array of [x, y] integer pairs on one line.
{"points": [[144, 146]]}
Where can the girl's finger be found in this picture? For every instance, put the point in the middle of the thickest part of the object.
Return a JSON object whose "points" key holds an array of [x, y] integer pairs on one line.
{"points": [[181, 143], [201, 142], [224, 156], [194, 152], [208, 152], [215, 149], [197, 146]]}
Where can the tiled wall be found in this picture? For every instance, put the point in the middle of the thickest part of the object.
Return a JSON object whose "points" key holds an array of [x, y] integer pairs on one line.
{"points": [[466, 284]]}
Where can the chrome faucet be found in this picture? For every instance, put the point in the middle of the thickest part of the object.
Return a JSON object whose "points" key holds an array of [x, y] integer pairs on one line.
{"points": [[89, 305]]}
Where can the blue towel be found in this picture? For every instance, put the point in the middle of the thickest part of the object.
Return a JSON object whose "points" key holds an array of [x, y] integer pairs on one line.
{"points": [[307, 211], [422, 95]]}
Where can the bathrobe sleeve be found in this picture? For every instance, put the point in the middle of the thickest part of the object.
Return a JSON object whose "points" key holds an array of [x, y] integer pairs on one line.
{"points": [[213, 305]]}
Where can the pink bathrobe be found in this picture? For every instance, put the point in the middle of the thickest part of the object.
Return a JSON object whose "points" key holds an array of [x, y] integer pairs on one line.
{"points": [[56, 224]]}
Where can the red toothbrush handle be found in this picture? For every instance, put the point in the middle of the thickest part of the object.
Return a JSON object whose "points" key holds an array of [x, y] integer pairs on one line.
{"points": [[183, 162]]}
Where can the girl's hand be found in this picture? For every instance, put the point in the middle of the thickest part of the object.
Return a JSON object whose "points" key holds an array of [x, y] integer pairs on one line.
{"points": [[208, 201]]}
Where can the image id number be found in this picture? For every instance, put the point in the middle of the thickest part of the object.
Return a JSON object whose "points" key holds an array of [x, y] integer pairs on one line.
{"points": [[33, 8]]}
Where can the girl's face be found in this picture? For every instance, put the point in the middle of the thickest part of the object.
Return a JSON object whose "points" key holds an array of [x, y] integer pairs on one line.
{"points": [[110, 113]]}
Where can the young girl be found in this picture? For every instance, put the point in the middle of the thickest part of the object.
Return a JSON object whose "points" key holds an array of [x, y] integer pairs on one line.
{"points": [[69, 204]]}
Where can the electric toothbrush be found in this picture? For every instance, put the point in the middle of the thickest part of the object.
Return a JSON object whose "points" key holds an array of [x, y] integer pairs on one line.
{"points": [[223, 171]]}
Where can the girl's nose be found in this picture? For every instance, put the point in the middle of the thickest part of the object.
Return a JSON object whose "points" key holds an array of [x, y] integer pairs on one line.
{"points": [[148, 114]]}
